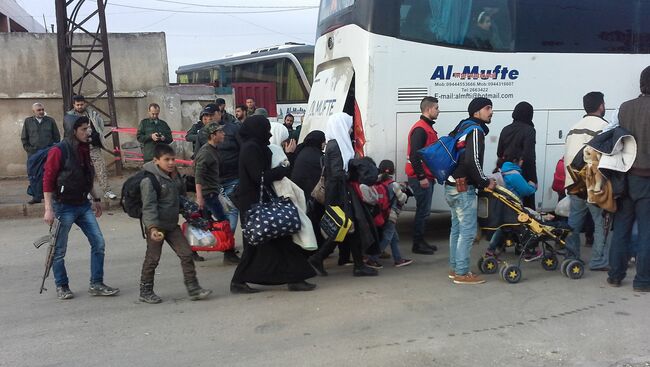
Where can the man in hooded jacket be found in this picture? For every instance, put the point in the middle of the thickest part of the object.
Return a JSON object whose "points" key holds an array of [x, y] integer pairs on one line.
{"points": [[518, 140]]}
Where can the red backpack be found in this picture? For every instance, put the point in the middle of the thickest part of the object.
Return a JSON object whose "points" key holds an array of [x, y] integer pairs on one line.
{"points": [[383, 204]]}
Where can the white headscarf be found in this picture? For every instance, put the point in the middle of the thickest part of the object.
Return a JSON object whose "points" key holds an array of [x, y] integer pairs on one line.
{"points": [[279, 133], [338, 128]]}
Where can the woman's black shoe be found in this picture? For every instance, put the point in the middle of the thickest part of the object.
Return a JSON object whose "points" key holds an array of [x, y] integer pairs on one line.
{"points": [[364, 271], [317, 264], [241, 288], [301, 286]]}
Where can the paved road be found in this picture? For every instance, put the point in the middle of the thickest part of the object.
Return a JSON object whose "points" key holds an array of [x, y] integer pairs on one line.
{"points": [[412, 316]]}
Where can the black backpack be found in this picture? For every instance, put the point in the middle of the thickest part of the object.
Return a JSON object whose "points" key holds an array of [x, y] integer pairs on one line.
{"points": [[131, 200]]}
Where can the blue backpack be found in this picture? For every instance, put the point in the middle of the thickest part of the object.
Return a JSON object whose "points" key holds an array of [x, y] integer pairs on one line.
{"points": [[442, 156]]}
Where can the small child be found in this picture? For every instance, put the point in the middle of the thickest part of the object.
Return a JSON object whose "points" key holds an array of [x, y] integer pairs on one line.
{"points": [[389, 232], [515, 182], [160, 218]]}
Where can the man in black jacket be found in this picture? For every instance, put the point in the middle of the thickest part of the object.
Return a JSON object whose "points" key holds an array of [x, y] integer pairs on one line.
{"points": [[518, 140], [39, 131], [460, 190]]}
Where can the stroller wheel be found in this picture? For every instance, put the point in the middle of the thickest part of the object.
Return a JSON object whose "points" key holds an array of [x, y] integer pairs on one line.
{"points": [[479, 264], [575, 269], [512, 274], [549, 262], [489, 265], [502, 271], [564, 266]]}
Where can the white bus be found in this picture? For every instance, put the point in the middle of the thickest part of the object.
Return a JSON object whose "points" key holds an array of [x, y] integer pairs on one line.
{"points": [[288, 68], [381, 57]]}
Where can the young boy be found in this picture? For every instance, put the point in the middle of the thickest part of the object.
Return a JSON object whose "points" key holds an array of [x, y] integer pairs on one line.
{"points": [[160, 218], [389, 234]]}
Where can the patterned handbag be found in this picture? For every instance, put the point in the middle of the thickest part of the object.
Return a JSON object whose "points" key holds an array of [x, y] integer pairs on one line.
{"points": [[267, 220]]}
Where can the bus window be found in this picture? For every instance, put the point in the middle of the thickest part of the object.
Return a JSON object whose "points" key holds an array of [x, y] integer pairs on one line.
{"points": [[202, 76], [290, 88], [644, 28], [183, 78], [479, 24], [307, 63], [602, 26], [331, 7]]}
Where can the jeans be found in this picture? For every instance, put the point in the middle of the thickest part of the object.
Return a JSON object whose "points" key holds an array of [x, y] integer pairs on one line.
{"points": [[229, 187], [423, 199], [463, 226], [579, 211], [496, 240], [633, 207], [84, 217], [390, 237], [213, 204]]}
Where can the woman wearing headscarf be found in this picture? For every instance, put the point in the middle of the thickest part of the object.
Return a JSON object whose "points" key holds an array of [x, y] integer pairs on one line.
{"points": [[307, 171], [518, 140], [280, 137], [279, 261], [338, 152]]}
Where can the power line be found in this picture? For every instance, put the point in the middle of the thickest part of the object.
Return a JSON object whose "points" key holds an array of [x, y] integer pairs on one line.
{"points": [[238, 6], [287, 9]]}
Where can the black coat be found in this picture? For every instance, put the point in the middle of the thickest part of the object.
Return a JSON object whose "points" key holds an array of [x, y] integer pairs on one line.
{"points": [[278, 261], [518, 140], [307, 169]]}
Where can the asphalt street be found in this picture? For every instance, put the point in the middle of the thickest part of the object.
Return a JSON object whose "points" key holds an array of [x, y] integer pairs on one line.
{"points": [[410, 316]]}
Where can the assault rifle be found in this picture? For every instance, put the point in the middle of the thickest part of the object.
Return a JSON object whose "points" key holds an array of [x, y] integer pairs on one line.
{"points": [[51, 240]]}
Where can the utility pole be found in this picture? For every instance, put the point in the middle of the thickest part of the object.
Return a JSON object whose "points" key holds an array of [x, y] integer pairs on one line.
{"points": [[84, 56]]}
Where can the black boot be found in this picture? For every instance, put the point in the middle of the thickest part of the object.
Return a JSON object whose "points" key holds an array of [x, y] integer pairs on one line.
{"points": [[316, 262], [237, 288], [197, 257], [419, 247], [301, 286], [195, 291], [230, 258], [147, 295]]}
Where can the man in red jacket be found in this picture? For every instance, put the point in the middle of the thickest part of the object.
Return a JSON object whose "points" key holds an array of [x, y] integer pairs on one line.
{"points": [[421, 179], [67, 182]]}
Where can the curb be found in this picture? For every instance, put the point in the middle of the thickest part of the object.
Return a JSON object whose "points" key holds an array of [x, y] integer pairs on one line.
{"points": [[24, 210]]}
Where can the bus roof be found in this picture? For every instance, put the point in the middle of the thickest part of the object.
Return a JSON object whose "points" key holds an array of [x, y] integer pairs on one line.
{"points": [[294, 48]]}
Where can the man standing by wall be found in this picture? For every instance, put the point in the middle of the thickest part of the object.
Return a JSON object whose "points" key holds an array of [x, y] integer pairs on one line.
{"points": [[420, 178], [153, 131], [97, 142], [67, 182], [634, 115], [195, 134], [460, 190], [39, 131], [581, 133], [250, 106]]}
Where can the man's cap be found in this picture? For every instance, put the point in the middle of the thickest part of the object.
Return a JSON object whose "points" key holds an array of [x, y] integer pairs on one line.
{"points": [[208, 110], [220, 101], [260, 111], [477, 104], [213, 128]]}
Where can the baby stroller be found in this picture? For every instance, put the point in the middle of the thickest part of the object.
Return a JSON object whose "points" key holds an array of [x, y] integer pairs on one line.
{"points": [[500, 208]]}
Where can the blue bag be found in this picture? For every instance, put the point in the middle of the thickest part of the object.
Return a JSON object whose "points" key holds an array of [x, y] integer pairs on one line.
{"points": [[441, 157]]}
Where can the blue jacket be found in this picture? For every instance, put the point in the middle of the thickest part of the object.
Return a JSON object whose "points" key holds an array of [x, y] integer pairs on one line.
{"points": [[515, 182]]}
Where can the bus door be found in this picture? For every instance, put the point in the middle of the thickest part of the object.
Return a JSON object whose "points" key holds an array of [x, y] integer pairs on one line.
{"points": [[328, 95]]}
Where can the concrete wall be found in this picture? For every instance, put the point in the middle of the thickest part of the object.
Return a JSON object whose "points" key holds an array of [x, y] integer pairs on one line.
{"points": [[29, 73]]}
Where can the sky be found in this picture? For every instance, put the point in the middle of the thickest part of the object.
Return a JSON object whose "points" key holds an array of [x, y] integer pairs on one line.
{"points": [[201, 30]]}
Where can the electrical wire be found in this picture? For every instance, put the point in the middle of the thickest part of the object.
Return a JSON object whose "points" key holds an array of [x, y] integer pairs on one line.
{"points": [[239, 6], [212, 12]]}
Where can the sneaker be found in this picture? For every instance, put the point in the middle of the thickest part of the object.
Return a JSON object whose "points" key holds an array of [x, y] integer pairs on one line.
{"points": [[452, 274], [373, 264], [468, 278], [101, 289], [110, 195], [364, 271], [64, 292], [403, 262], [491, 253], [528, 257]]}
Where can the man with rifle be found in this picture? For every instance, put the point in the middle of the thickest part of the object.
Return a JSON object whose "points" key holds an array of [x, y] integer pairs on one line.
{"points": [[67, 183]]}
